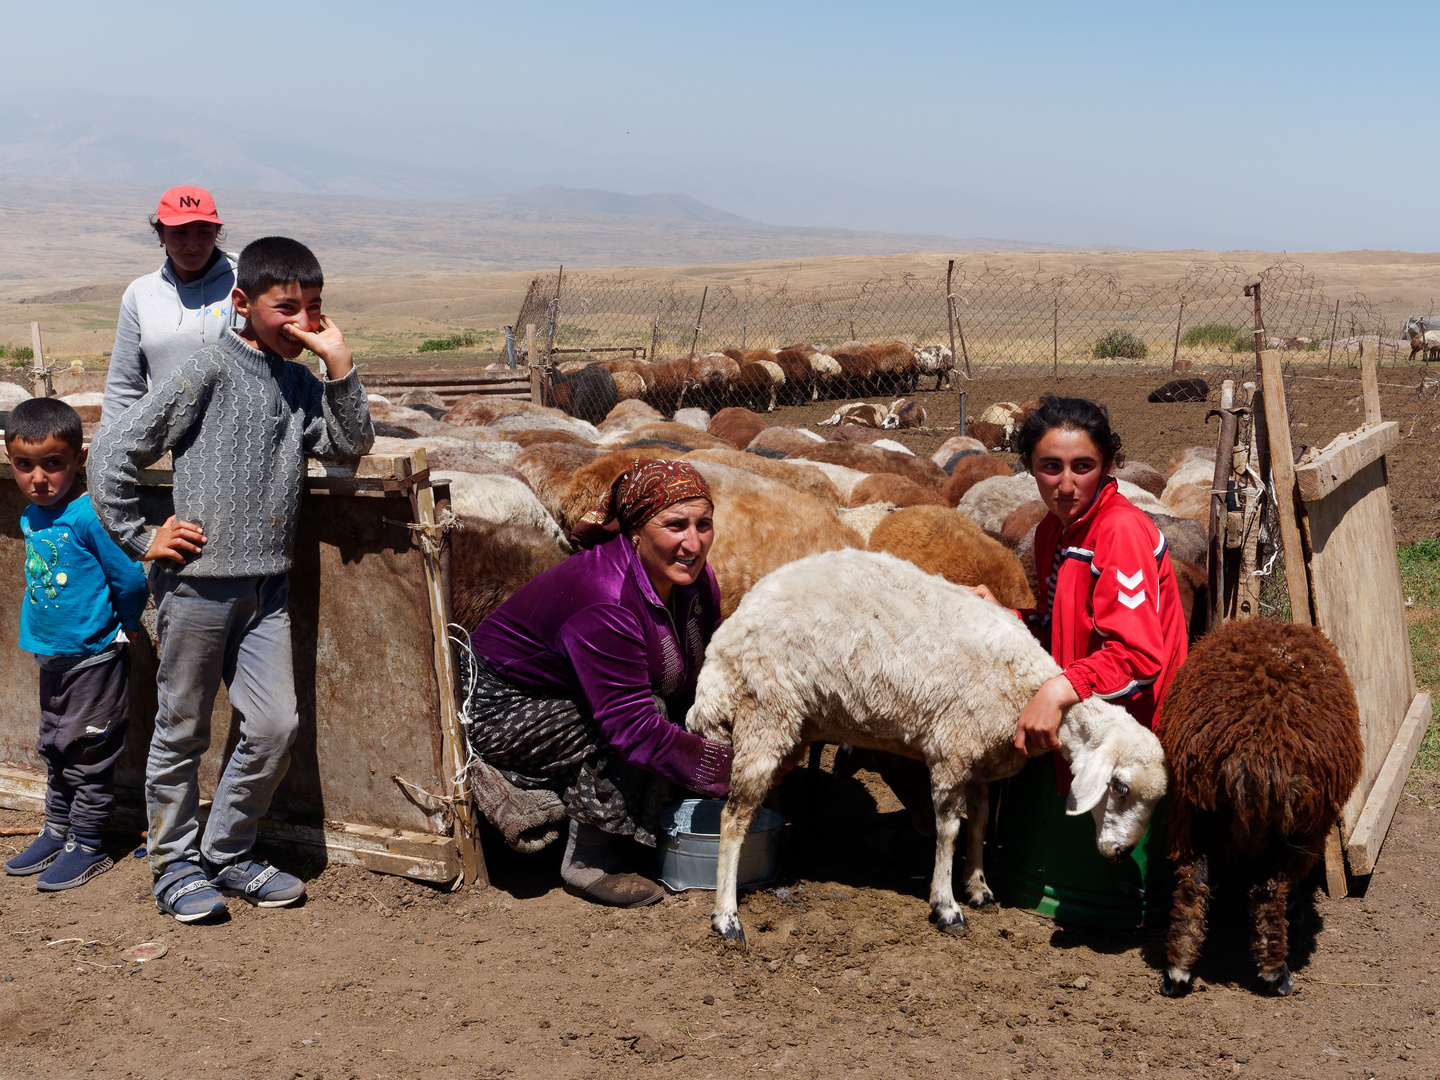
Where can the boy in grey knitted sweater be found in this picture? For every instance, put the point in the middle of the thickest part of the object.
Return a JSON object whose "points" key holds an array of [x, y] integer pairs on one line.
{"points": [[238, 418]]}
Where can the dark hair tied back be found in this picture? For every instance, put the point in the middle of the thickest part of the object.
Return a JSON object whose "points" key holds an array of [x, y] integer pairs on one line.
{"points": [[1077, 414]]}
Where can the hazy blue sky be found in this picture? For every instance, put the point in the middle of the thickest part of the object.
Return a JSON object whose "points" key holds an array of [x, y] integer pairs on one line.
{"points": [[1222, 125]]}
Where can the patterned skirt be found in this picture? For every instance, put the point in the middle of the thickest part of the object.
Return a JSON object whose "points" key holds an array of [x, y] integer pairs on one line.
{"points": [[541, 760]]}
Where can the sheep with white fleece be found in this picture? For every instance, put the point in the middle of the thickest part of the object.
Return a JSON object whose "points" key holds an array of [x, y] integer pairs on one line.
{"points": [[867, 649]]}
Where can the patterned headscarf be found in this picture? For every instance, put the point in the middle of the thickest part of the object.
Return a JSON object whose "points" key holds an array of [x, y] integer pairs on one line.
{"points": [[637, 495]]}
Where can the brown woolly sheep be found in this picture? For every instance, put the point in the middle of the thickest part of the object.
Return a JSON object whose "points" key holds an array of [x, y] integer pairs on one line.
{"points": [[752, 387], [480, 409], [863, 519], [956, 444], [632, 365], [843, 479], [872, 459], [857, 367], [530, 438], [1141, 475], [489, 561], [466, 460], [856, 433], [857, 412], [684, 434], [669, 380], [802, 477], [1022, 522], [1005, 414], [1187, 492], [548, 467], [945, 542], [968, 472], [905, 413], [799, 377], [625, 410], [896, 490], [628, 385], [990, 436], [786, 440], [1194, 586], [762, 524], [736, 426], [896, 369], [1262, 740]]}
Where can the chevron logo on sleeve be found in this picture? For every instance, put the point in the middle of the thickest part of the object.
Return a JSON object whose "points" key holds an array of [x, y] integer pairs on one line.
{"points": [[1131, 600]]}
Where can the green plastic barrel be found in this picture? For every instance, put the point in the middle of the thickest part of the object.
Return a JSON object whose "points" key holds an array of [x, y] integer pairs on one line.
{"points": [[1039, 859]]}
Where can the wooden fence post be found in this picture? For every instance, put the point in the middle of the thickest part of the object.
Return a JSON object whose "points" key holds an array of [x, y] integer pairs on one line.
{"points": [[1175, 353], [1370, 382], [1282, 464], [41, 384], [950, 317], [537, 390]]}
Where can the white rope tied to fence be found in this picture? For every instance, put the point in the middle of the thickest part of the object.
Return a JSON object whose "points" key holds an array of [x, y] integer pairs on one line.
{"points": [[429, 535]]}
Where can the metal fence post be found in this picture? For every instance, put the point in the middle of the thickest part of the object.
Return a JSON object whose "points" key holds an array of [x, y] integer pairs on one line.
{"points": [[1175, 353]]}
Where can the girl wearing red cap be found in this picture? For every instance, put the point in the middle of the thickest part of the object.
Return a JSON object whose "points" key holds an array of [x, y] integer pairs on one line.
{"points": [[166, 316]]}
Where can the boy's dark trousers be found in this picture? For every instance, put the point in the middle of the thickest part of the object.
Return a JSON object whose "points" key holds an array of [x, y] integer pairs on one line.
{"points": [[84, 714]]}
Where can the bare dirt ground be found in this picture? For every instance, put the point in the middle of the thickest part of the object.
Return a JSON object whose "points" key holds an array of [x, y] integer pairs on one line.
{"points": [[378, 978]]}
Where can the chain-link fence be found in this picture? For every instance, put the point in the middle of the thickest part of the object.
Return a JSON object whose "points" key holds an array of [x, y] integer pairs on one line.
{"points": [[1017, 334]]}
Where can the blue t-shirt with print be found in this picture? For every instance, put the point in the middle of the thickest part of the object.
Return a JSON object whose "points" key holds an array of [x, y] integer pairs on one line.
{"points": [[80, 588]]}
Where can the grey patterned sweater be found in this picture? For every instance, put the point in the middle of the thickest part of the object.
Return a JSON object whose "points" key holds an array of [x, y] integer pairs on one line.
{"points": [[238, 423]]}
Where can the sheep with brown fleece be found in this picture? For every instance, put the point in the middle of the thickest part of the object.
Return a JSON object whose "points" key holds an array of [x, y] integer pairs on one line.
{"points": [[670, 380], [844, 480], [889, 488], [798, 475], [935, 360], [737, 426], [1022, 522], [1191, 476], [1141, 475], [684, 434], [990, 436], [799, 377], [480, 409], [874, 460], [762, 524], [905, 413], [1262, 739], [856, 433], [752, 387], [968, 472], [630, 409], [857, 412], [628, 385], [548, 467], [956, 444], [863, 519], [945, 542], [787, 440], [863, 648]]}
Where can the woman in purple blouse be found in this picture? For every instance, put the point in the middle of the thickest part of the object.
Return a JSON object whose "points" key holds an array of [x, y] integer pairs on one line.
{"points": [[582, 670]]}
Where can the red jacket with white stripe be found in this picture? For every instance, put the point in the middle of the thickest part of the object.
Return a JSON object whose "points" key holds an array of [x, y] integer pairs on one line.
{"points": [[1116, 626]]}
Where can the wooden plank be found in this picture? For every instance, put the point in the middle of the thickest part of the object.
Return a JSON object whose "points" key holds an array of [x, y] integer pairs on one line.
{"points": [[1374, 820], [389, 851], [1282, 464], [1337, 885], [444, 378], [1359, 603], [454, 745], [1370, 381], [1343, 458], [22, 789]]}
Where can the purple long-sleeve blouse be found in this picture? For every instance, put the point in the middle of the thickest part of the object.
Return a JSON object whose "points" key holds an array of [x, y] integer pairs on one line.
{"points": [[593, 629]]}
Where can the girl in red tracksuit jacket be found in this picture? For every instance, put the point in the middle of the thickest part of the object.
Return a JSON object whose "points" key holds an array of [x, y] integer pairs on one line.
{"points": [[1109, 609]]}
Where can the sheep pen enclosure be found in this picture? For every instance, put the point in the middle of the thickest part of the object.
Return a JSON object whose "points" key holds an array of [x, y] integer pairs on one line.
{"points": [[377, 976]]}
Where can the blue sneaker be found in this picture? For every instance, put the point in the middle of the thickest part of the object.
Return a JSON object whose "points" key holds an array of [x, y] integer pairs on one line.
{"points": [[258, 884], [184, 892], [80, 861], [43, 851]]}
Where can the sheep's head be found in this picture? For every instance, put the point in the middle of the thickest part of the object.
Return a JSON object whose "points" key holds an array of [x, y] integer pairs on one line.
{"points": [[1118, 783]]}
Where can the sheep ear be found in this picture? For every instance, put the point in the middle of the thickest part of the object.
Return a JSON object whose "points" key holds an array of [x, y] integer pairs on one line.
{"points": [[1092, 769]]}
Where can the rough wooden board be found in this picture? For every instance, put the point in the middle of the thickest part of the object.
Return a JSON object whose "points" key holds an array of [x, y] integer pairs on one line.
{"points": [[1343, 458], [1370, 383], [1277, 424], [1336, 883], [22, 789], [370, 467], [1374, 821], [1360, 606]]}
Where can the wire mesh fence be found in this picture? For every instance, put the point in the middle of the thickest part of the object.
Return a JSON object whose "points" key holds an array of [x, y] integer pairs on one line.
{"points": [[1012, 335]]}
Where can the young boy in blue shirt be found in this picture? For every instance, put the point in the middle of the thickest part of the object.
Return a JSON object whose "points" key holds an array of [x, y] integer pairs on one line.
{"points": [[238, 418], [81, 593]]}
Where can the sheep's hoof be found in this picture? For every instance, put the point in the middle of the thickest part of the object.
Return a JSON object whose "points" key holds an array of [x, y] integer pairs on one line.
{"points": [[953, 925], [984, 902], [1173, 988], [731, 930], [1280, 984]]}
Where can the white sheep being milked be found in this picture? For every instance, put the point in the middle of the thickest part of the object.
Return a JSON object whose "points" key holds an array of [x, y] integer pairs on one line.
{"points": [[867, 649]]}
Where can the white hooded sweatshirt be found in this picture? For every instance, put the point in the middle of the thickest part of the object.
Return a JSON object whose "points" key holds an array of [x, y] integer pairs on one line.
{"points": [[162, 324]]}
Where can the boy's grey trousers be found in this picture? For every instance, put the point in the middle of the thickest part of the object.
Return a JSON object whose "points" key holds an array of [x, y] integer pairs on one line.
{"points": [[238, 630]]}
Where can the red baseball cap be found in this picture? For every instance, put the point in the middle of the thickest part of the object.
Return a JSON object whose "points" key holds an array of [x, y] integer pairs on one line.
{"points": [[180, 205]]}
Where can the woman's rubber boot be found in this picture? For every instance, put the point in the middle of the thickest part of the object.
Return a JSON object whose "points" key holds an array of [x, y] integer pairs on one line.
{"points": [[592, 870]]}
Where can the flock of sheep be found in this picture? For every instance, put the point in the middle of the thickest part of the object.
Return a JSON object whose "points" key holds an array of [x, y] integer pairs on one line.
{"points": [[848, 545], [758, 379]]}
